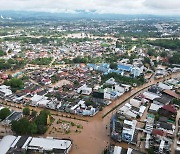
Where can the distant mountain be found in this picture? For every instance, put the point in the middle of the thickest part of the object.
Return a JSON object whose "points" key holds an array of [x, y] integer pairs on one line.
{"points": [[79, 14]]}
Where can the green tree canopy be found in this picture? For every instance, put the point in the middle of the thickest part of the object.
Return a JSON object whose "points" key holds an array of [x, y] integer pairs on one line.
{"points": [[26, 111], [113, 66], [4, 113], [14, 83]]}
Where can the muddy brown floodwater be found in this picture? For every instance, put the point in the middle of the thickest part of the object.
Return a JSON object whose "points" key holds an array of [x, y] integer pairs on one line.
{"points": [[94, 137]]}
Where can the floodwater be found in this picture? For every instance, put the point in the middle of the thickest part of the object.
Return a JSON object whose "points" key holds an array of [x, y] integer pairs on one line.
{"points": [[83, 35], [94, 137]]}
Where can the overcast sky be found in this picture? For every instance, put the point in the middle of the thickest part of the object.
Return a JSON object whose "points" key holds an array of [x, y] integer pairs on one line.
{"points": [[162, 7]]}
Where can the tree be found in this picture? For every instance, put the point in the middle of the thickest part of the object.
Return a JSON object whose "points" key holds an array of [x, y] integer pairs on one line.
{"points": [[14, 83], [26, 111], [176, 101], [9, 76], [32, 128], [4, 113], [41, 121], [33, 113], [151, 52], [2, 53], [21, 126], [175, 59], [163, 54], [146, 60], [113, 66], [76, 83]]}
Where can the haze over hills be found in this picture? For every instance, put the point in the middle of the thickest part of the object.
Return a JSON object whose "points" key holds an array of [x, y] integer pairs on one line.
{"points": [[81, 14]]}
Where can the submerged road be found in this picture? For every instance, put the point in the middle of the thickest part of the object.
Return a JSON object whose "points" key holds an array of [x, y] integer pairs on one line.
{"points": [[94, 137]]}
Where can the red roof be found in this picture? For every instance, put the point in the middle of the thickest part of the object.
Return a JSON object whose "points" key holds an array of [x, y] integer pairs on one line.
{"points": [[158, 132], [170, 108], [4, 76]]}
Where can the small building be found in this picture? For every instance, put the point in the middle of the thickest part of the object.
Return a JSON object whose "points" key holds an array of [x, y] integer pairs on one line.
{"points": [[150, 96], [167, 110], [84, 90], [128, 130], [5, 91], [12, 117], [171, 93]]}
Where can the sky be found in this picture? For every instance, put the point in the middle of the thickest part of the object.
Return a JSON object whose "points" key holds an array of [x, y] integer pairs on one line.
{"points": [[155, 7]]}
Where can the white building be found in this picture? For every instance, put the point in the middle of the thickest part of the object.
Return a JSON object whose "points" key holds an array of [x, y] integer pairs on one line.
{"points": [[5, 91], [37, 98], [84, 90], [21, 144]]}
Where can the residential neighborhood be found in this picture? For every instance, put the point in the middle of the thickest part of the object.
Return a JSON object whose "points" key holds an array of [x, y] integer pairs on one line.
{"points": [[89, 85]]}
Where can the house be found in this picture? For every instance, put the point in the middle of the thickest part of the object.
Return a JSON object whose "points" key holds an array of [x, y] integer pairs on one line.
{"points": [[141, 110], [5, 91], [90, 111], [161, 146], [119, 89], [14, 116], [43, 103], [120, 150], [126, 111], [128, 130], [167, 110], [46, 81], [4, 76], [126, 87], [37, 98], [135, 102], [124, 67], [110, 94], [137, 71], [111, 81], [149, 123], [164, 86], [84, 90], [150, 96], [158, 132], [154, 89], [154, 108], [171, 93], [163, 100]]}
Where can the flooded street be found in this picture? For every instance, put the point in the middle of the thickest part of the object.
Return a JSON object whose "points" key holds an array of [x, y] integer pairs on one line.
{"points": [[94, 136]]}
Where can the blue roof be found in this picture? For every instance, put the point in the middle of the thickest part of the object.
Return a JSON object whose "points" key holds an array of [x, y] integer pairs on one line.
{"points": [[105, 65], [124, 67], [91, 65]]}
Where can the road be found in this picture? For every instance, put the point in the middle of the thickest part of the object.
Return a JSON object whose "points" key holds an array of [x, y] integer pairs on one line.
{"points": [[174, 145], [95, 136]]}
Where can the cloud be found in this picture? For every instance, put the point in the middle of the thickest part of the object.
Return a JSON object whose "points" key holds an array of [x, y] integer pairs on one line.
{"points": [[100, 6], [163, 4]]}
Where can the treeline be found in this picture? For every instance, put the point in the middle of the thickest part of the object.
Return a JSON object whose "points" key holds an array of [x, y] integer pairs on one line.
{"points": [[15, 84], [175, 59], [11, 64], [36, 126], [123, 79], [85, 60], [42, 61], [2, 53], [168, 44], [78, 40]]}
